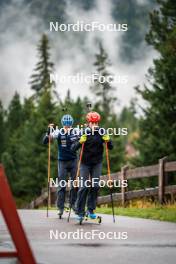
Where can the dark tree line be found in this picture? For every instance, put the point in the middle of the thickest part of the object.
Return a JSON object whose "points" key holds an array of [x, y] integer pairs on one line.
{"points": [[23, 124]]}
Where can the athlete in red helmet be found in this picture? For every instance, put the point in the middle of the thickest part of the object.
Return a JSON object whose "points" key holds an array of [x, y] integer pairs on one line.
{"points": [[93, 117], [91, 164]]}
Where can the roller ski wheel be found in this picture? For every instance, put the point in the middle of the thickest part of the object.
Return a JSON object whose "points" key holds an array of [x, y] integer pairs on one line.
{"points": [[81, 221], [97, 219], [60, 216]]}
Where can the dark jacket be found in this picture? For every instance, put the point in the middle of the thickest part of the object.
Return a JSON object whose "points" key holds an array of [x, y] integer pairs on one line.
{"points": [[65, 152], [93, 148]]}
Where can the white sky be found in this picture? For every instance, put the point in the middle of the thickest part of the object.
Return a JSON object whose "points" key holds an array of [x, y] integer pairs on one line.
{"points": [[71, 53]]}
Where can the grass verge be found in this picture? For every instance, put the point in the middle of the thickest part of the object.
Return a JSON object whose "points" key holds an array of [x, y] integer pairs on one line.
{"points": [[163, 213]]}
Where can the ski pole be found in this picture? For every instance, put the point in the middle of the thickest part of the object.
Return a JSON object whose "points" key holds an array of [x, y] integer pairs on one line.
{"points": [[49, 171], [76, 180], [109, 177]]}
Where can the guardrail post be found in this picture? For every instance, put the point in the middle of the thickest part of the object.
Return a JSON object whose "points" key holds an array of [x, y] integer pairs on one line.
{"points": [[123, 189], [161, 179]]}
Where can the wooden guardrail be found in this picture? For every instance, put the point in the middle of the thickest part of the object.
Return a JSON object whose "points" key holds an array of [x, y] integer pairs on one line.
{"points": [[160, 170]]}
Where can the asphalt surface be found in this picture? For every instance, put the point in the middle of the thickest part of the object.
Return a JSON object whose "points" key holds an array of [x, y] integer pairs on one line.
{"points": [[135, 240]]}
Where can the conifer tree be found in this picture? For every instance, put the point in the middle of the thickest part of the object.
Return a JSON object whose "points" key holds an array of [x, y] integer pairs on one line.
{"points": [[102, 88], [15, 114], [158, 126], [40, 79], [2, 129]]}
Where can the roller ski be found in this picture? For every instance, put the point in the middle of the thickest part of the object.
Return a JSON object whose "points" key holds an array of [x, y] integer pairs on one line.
{"points": [[89, 217]]}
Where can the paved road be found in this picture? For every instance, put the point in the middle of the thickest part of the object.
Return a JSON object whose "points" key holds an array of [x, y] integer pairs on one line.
{"points": [[148, 242]]}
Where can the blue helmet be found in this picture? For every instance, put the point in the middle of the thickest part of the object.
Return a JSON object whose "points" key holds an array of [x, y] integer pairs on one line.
{"points": [[67, 120]]}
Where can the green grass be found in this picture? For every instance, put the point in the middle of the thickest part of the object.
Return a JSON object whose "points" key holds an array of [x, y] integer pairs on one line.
{"points": [[157, 213], [142, 209]]}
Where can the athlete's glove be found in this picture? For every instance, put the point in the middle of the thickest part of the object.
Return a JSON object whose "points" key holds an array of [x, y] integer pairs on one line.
{"points": [[83, 139], [106, 138], [50, 129]]}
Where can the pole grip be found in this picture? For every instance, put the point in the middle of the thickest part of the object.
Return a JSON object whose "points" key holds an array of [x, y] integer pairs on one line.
{"points": [[108, 163]]}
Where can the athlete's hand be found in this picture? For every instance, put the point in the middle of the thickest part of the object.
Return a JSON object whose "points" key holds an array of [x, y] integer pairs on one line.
{"points": [[83, 139], [50, 128], [106, 138]]}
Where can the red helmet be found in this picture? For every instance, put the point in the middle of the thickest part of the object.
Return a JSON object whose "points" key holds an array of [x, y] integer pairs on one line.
{"points": [[93, 117]]}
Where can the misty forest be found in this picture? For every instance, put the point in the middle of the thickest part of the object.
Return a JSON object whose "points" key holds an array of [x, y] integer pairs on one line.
{"points": [[149, 114]]}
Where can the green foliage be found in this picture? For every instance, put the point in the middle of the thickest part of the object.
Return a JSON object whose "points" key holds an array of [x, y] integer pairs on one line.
{"points": [[156, 213], [1, 129], [158, 125], [15, 114], [23, 125], [136, 16], [40, 79], [102, 88], [23, 154], [25, 157], [128, 117]]}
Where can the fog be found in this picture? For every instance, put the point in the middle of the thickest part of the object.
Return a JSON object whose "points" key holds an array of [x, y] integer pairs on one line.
{"points": [[71, 52]]}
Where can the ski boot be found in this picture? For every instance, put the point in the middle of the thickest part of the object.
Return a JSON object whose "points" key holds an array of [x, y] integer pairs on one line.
{"points": [[90, 215]]}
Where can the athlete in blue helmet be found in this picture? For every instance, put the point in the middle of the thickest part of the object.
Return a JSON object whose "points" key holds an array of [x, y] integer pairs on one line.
{"points": [[67, 159], [67, 121]]}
